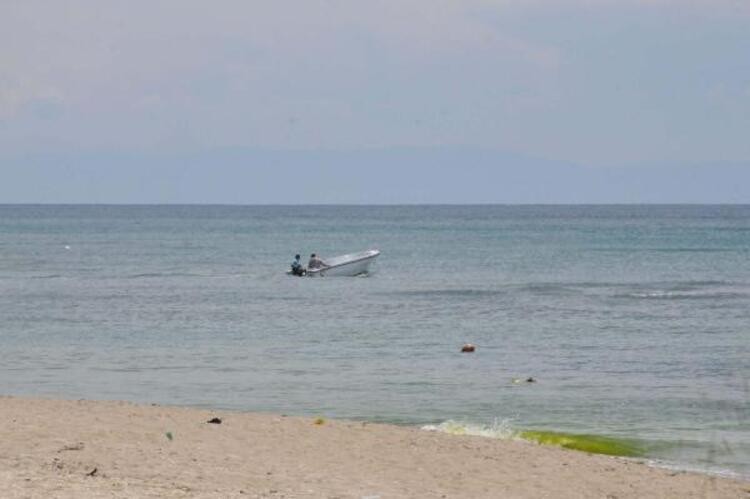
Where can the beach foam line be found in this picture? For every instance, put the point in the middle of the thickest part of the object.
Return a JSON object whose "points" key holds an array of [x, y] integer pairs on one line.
{"points": [[593, 444], [500, 429]]}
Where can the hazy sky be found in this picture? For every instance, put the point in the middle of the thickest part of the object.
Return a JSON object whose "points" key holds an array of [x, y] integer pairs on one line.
{"points": [[593, 82]]}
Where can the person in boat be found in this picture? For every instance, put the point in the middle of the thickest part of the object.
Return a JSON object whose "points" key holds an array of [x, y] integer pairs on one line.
{"points": [[297, 268], [316, 262]]}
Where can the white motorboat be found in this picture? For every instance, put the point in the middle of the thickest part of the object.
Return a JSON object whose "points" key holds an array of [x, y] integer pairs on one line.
{"points": [[352, 264]]}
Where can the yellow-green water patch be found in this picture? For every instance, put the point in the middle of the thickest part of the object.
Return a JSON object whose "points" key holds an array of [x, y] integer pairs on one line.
{"points": [[594, 444]]}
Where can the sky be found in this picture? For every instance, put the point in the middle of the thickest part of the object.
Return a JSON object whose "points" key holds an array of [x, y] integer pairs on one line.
{"points": [[121, 94]]}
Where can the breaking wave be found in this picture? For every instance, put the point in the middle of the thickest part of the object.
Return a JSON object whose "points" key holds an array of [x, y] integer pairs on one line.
{"points": [[594, 444]]}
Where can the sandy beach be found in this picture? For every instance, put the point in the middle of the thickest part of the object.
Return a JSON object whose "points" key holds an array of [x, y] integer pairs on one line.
{"points": [[74, 449]]}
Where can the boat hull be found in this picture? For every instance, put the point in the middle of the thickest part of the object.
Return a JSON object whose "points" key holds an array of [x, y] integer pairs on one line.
{"points": [[347, 265]]}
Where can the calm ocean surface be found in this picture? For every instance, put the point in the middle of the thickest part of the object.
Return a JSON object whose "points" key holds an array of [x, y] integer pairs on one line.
{"points": [[635, 320]]}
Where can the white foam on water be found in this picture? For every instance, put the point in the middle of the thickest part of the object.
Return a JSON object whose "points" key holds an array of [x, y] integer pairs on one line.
{"points": [[500, 429], [681, 468]]}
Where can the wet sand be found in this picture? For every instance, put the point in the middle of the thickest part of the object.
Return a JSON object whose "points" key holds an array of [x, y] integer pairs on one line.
{"points": [[80, 449]]}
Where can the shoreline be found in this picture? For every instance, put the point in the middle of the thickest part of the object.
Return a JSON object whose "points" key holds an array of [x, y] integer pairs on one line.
{"points": [[81, 448]]}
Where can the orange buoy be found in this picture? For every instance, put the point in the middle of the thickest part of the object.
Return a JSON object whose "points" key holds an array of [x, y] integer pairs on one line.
{"points": [[468, 348]]}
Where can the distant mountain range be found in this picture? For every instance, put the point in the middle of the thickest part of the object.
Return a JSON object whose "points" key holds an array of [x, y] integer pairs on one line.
{"points": [[403, 176]]}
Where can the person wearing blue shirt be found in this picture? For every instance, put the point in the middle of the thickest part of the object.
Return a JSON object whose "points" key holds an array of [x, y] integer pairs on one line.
{"points": [[297, 268]]}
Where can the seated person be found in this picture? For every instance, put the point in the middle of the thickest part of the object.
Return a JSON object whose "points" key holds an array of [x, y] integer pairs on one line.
{"points": [[315, 262], [297, 268]]}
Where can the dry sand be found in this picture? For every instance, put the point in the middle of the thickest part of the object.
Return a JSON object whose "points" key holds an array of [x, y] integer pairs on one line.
{"points": [[80, 449]]}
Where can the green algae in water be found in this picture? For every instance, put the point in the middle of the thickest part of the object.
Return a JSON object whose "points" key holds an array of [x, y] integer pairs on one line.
{"points": [[594, 444]]}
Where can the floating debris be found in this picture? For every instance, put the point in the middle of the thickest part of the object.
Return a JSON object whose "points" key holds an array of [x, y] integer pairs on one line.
{"points": [[468, 348]]}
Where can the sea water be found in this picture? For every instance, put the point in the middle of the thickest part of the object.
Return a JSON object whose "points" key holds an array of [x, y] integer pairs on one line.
{"points": [[633, 320]]}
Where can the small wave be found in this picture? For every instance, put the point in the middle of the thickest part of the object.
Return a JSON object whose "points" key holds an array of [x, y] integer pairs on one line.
{"points": [[499, 429], [146, 275], [152, 275], [691, 250], [453, 293], [534, 288], [157, 275], [683, 295], [50, 276], [720, 472], [667, 285], [705, 283], [594, 444], [542, 288]]}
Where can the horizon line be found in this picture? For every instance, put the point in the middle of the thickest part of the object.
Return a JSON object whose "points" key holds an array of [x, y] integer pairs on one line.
{"points": [[292, 205]]}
